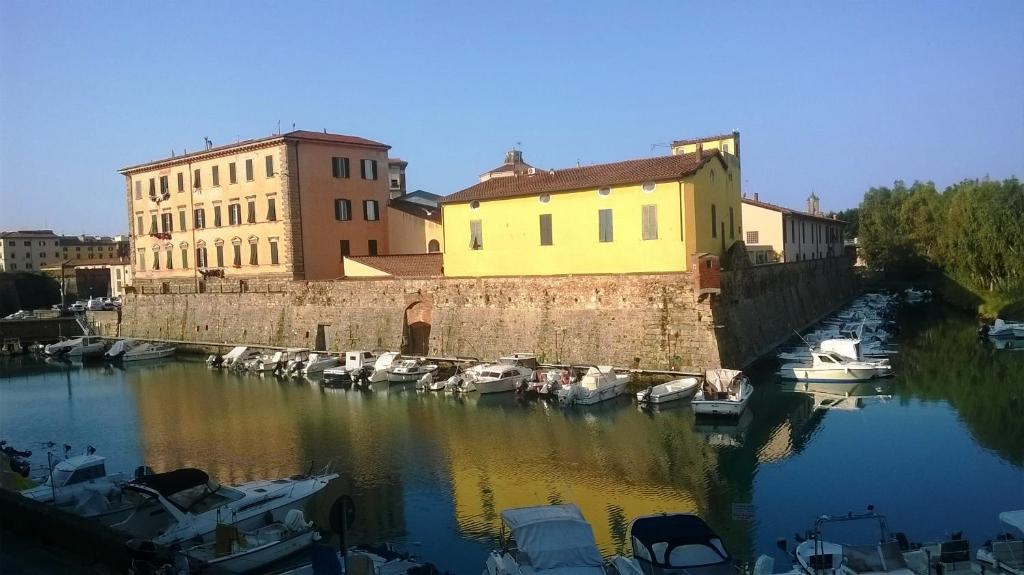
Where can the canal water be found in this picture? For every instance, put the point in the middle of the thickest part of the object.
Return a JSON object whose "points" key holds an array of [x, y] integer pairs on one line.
{"points": [[937, 448]]}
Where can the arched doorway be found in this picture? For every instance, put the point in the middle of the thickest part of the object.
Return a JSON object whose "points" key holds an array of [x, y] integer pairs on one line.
{"points": [[434, 246], [416, 332]]}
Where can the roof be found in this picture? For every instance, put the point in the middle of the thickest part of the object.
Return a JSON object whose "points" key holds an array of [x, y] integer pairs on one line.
{"points": [[410, 265], [553, 536], [705, 139], [509, 167], [659, 168], [83, 240], [14, 234], [173, 481], [418, 210], [297, 135], [768, 206]]}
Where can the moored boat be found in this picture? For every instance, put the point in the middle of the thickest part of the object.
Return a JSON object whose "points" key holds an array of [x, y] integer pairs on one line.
{"points": [[238, 551], [599, 383], [829, 366], [674, 390], [87, 346], [127, 350], [545, 539], [409, 370], [1005, 553], [724, 392], [675, 543]]}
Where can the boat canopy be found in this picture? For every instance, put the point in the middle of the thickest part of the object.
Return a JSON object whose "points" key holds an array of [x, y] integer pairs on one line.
{"points": [[553, 536], [676, 540], [172, 482], [1013, 519], [722, 379]]}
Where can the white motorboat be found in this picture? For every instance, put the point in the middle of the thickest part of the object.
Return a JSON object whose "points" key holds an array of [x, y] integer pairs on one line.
{"points": [[193, 504], [497, 378], [72, 483], [272, 362], [378, 560], [80, 347], [237, 551], [545, 539], [599, 383], [409, 370], [382, 364], [828, 366], [674, 390], [674, 543], [239, 353], [724, 392], [1001, 328], [126, 350], [1005, 554], [317, 362]]}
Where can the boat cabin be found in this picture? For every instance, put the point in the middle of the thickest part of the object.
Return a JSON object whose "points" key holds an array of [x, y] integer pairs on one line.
{"points": [[848, 348], [527, 360], [76, 470], [358, 359], [828, 358], [679, 541], [499, 371]]}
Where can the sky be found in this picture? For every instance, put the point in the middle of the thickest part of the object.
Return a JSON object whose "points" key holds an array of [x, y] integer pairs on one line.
{"points": [[829, 97]]}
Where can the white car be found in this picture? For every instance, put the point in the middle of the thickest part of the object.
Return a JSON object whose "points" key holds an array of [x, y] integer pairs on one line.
{"points": [[77, 307], [94, 304]]}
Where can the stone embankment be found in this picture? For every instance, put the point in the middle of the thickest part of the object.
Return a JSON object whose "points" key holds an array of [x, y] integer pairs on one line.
{"points": [[650, 321]]}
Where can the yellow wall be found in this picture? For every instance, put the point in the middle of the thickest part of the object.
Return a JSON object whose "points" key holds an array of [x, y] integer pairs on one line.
{"points": [[719, 144], [511, 234], [768, 225], [357, 270], [715, 185], [408, 234]]}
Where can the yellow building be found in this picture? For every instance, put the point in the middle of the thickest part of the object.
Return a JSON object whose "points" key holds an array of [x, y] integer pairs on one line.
{"points": [[414, 228], [289, 206], [29, 250], [94, 250], [649, 215]]}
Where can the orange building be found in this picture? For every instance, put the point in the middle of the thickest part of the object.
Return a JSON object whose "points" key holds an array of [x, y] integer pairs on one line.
{"points": [[291, 206]]}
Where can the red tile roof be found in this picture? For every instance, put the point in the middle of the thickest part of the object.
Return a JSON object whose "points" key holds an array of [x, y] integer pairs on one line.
{"points": [[418, 210], [333, 139], [660, 168], [704, 139], [780, 209], [408, 265]]}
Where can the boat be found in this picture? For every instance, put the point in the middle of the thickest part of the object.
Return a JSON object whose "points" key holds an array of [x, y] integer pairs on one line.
{"points": [[80, 347], [829, 366], [365, 559], [675, 543], [724, 392], [599, 383], [409, 370], [276, 361], [674, 390], [382, 364], [238, 353], [508, 374], [317, 362], [136, 350], [545, 539], [237, 551], [192, 504], [73, 483], [1005, 553], [1001, 328], [547, 382]]}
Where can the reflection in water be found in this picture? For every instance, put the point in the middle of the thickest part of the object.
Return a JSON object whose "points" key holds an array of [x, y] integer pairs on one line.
{"points": [[438, 469]]}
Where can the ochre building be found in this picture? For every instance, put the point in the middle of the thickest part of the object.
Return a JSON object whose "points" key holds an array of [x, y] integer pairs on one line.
{"points": [[650, 215], [291, 206], [788, 235]]}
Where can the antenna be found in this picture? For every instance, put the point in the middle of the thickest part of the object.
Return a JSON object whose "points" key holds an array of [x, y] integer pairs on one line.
{"points": [[660, 145], [279, 127]]}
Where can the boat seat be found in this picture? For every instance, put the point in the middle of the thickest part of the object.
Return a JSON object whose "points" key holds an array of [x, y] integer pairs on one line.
{"points": [[1009, 553], [955, 551]]}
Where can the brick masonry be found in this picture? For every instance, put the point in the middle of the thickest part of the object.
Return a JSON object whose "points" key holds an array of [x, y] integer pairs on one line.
{"points": [[650, 321]]}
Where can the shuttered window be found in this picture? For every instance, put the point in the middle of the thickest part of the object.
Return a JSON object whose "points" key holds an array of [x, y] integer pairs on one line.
{"points": [[714, 222], [138, 189], [181, 220], [215, 172], [199, 219], [371, 246], [220, 256], [369, 168], [170, 260], [156, 260], [254, 258], [273, 253], [604, 225], [371, 212], [195, 179], [732, 227], [232, 173], [201, 257], [216, 217], [545, 229], [271, 210], [166, 223], [649, 221], [234, 214], [248, 170], [184, 258], [342, 210], [142, 260], [251, 212], [339, 167], [476, 235], [153, 224], [181, 182], [270, 165], [238, 254]]}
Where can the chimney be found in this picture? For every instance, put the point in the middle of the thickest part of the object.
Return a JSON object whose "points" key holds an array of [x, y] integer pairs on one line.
{"points": [[755, 197]]}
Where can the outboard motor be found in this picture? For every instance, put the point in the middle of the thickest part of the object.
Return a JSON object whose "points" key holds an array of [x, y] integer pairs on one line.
{"points": [[646, 397]]}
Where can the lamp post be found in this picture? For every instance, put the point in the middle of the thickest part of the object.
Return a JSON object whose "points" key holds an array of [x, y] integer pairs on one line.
{"points": [[63, 290]]}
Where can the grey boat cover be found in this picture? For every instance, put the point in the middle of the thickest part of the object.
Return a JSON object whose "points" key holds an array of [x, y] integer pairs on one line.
{"points": [[553, 537], [1013, 519]]}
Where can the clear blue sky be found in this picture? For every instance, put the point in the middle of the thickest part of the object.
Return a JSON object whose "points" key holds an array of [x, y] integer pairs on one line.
{"points": [[830, 96]]}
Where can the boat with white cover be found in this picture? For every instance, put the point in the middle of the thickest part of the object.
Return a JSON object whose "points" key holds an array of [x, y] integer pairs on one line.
{"points": [[237, 354], [674, 390], [80, 347], [409, 370], [317, 362], [829, 366], [237, 551], [599, 383], [548, 381], [675, 543], [553, 539], [193, 504], [126, 350], [508, 374], [382, 364], [724, 392], [1005, 554], [1002, 328]]}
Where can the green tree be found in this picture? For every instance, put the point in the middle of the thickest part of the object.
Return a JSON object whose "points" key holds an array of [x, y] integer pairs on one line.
{"points": [[922, 221]]}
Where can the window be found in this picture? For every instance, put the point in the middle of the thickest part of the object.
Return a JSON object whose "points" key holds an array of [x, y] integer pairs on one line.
{"points": [[250, 215], [370, 210], [604, 223], [474, 205], [216, 217], [371, 247], [220, 256], [195, 179], [138, 226], [234, 214], [752, 237], [14, 266], [237, 247], [152, 188], [199, 219], [165, 188], [254, 258], [118, 272], [248, 170], [783, 232], [342, 210], [339, 167], [604, 192], [714, 222], [138, 189], [181, 182], [544, 198], [344, 248], [269, 160], [271, 210], [369, 169], [232, 173], [216, 176], [792, 229], [649, 221], [156, 260], [732, 226], [476, 235], [545, 229], [201, 257], [803, 231], [184, 258], [170, 260], [273, 253], [28, 265], [433, 246], [181, 219], [166, 224]]}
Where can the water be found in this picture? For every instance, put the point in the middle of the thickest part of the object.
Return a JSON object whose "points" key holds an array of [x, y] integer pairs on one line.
{"points": [[938, 448]]}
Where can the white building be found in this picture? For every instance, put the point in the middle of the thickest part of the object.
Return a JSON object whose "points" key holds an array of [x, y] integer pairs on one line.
{"points": [[790, 235]]}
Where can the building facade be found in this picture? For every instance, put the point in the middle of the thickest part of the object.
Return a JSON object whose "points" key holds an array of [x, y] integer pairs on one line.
{"points": [[650, 215], [29, 250], [414, 228], [791, 235], [289, 206], [95, 250]]}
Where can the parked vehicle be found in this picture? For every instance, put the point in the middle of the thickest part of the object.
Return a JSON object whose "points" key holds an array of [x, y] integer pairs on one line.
{"points": [[94, 304]]}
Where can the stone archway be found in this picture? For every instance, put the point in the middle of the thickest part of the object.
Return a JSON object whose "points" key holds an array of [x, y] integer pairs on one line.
{"points": [[416, 331]]}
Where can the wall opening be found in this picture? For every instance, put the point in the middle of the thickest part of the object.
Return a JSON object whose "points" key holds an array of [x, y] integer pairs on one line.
{"points": [[416, 330]]}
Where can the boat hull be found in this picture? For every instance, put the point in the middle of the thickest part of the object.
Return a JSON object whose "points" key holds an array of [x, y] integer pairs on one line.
{"points": [[718, 407], [583, 396], [497, 385], [807, 373], [258, 557]]}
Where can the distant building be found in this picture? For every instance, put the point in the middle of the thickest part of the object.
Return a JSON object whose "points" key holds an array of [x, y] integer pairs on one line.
{"points": [[291, 206], [396, 177], [414, 228], [791, 235], [513, 166], [29, 250], [93, 250], [648, 215]]}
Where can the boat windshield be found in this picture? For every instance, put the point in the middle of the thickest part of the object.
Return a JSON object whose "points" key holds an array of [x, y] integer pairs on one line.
{"points": [[62, 477], [873, 558], [202, 498]]}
